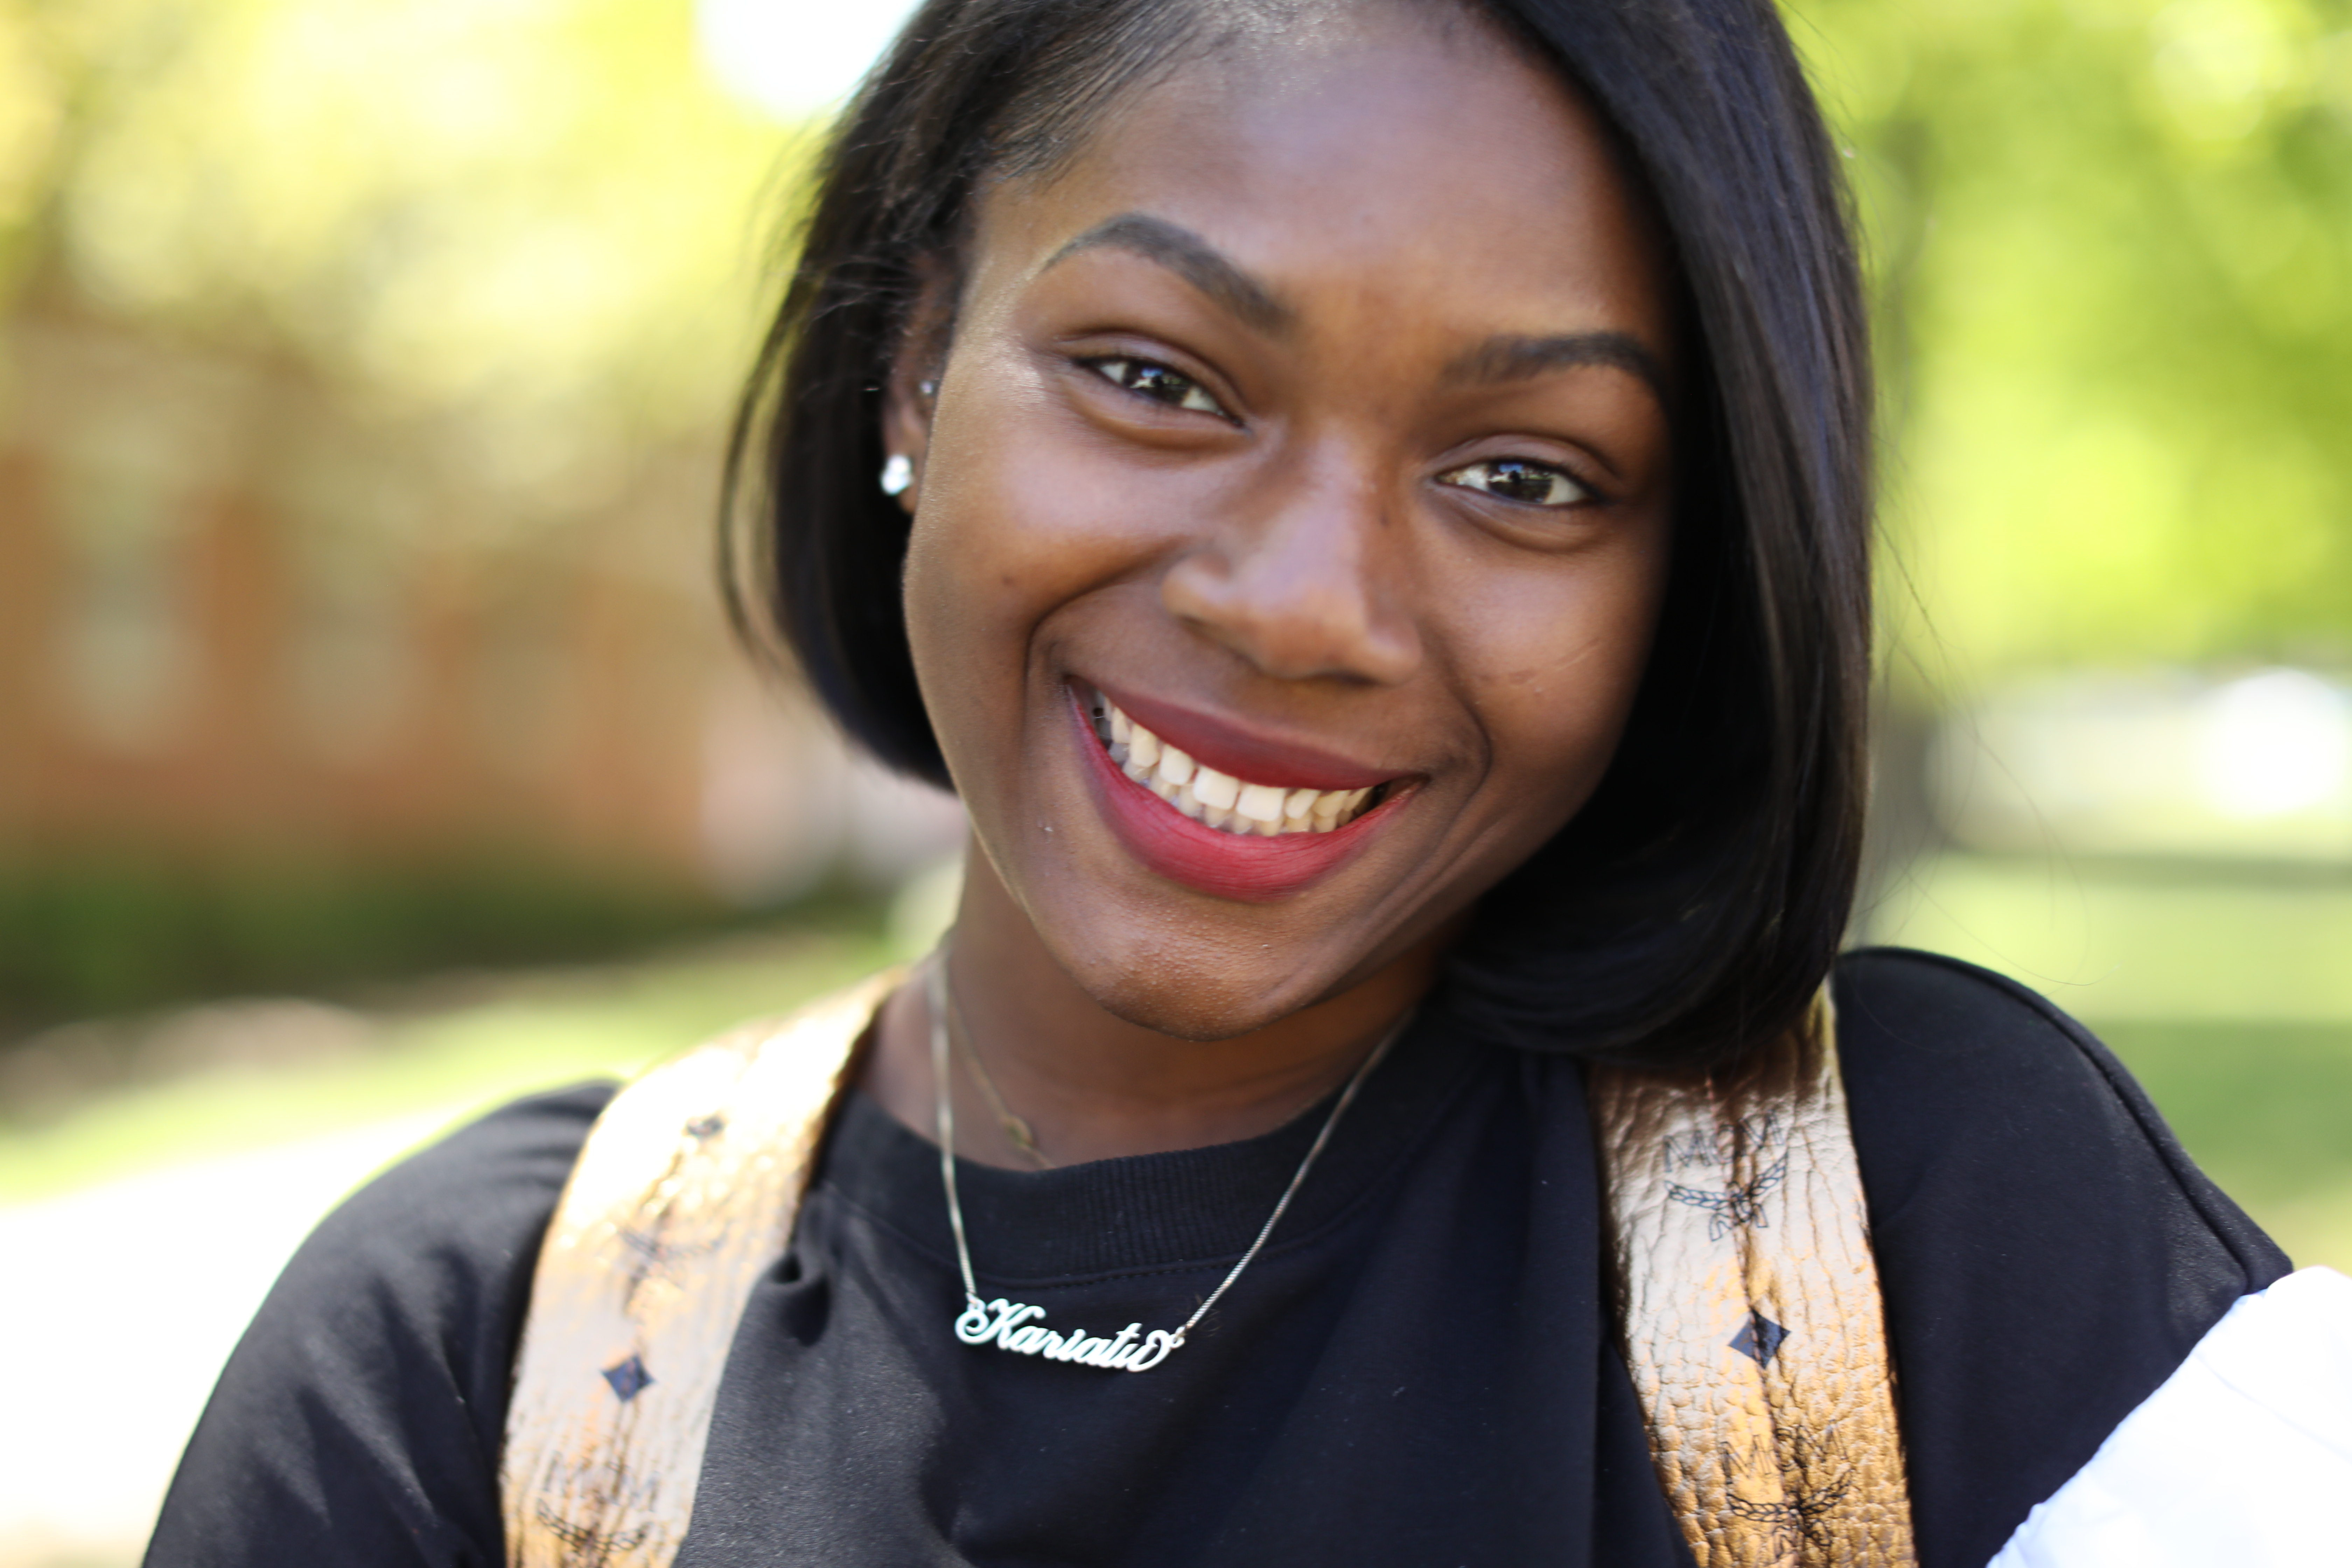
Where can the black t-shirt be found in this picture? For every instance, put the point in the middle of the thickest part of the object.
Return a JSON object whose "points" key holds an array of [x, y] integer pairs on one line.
{"points": [[1417, 1372]]}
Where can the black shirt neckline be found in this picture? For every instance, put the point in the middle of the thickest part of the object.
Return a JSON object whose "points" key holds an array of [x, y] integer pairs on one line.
{"points": [[1185, 1208]]}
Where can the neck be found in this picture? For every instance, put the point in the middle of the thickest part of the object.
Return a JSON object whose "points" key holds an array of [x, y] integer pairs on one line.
{"points": [[1093, 1086]]}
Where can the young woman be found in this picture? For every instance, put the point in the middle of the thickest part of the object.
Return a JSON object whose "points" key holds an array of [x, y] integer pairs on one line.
{"points": [[1368, 503]]}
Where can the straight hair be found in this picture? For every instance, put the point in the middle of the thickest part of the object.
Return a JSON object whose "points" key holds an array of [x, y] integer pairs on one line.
{"points": [[1691, 909]]}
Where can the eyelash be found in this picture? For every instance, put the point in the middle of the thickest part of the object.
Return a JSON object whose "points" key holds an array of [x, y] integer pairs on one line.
{"points": [[1577, 492], [1129, 372], [1172, 389]]}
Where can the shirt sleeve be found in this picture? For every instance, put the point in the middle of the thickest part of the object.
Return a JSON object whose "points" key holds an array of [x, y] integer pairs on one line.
{"points": [[358, 1420], [2228, 1460], [2048, 1254]]}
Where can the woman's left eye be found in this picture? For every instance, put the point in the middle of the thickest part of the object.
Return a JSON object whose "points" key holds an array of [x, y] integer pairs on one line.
{"points": [[1518, 480], [1146, 378]]}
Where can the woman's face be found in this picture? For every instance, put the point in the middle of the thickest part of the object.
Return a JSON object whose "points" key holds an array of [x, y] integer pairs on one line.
{"points": [[1306, 435]]}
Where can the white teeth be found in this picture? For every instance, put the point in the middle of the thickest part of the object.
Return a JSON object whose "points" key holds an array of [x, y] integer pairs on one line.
{"points": [[1219, 800], [1260, 803]]}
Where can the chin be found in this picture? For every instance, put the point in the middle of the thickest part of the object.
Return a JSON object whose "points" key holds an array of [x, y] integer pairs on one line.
{"points": [[1201, 988]]}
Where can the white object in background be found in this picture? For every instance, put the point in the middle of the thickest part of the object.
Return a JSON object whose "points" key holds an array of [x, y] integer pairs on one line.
{"points": [[2241, 1459], [2276, 742], [145, 1285], [791, 58]]}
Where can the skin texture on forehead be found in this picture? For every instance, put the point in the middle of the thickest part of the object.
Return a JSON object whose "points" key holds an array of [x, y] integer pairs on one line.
{"points": [[1386, 249]]}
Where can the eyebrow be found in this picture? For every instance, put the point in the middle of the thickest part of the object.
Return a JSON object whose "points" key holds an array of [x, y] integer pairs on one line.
{"points": [[1516, 358], [1191, 257]]}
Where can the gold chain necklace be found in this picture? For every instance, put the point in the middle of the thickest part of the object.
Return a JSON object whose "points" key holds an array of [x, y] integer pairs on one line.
{"points": [[1017, 1131], [1017, 1326]]}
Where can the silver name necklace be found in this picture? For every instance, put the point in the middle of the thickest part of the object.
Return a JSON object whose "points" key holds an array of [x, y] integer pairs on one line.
{"points": [[1019, 1327]]}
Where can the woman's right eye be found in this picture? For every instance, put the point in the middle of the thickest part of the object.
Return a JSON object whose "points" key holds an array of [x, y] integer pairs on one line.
{"points": [[1148, 378]]}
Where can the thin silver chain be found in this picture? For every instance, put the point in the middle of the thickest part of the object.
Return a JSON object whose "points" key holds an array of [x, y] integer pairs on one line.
{"points": [[936, 982]]}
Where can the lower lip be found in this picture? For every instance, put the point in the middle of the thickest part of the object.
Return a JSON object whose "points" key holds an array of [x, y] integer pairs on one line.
{"points": [[1254, 869]]}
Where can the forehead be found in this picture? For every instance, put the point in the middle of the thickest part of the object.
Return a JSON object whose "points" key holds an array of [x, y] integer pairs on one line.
{"points": [[1408, 156]]}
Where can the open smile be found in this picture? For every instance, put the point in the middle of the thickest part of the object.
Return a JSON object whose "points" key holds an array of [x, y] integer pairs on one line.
{"points": [[1219, 800], [1271, 822]]}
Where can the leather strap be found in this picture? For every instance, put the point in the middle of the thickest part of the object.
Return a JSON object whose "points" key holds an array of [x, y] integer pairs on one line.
{"points": [[683, 1197], [1749, 1304], [1754, 1327]]}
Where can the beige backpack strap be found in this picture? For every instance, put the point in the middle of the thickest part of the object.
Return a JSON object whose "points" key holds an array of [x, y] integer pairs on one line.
{"points": [[1752, 1312], [682, 1197]]}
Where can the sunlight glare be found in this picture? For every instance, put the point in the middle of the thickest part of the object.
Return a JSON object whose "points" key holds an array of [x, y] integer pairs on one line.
{"points": [[790, 58], [2275, 743]]}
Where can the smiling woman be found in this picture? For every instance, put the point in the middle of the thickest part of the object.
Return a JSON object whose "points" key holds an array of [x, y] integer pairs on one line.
{"points": [[1234, 433], [1367, 502], [1203, 206]]}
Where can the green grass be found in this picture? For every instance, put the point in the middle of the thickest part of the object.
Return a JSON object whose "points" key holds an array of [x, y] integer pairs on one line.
{"points": [[2266, 1108], [512, 1037], [2228, 991], [2158, 942]]}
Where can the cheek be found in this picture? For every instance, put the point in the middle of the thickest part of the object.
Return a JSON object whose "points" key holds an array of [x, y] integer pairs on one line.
{"points": [[1012, 525], [1554, 666]]}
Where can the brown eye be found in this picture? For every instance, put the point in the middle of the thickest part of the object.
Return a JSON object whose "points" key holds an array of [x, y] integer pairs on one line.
{"points": [[1518, 480], [1147, 378]]}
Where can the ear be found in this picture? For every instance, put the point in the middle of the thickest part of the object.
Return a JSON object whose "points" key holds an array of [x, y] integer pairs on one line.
{"points": [[911, 393]]}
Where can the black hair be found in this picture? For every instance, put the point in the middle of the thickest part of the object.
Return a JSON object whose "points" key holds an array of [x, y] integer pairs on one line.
{"points": [[1693, 907]]}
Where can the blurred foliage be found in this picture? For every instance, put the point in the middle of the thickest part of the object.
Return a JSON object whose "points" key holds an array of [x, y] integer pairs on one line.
{"points": [[78, 939], [2261, 1105], [538, 217], [458, 1050], [2114, 245], [2221, 942]]}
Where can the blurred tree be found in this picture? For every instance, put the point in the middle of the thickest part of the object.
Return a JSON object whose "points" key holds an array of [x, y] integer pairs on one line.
{"points": [[538, 217], [2114, 240]]}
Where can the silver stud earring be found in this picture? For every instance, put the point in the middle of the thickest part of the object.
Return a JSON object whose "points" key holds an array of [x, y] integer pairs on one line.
{"points": [[897, 475], [929, 389]]}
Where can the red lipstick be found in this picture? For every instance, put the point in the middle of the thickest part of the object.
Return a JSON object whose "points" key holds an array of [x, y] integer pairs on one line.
{"points": [[1231, 748], [1248, 867]]}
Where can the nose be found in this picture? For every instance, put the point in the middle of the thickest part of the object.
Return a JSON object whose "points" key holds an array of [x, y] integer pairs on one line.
{"points": [[1308, 584]]}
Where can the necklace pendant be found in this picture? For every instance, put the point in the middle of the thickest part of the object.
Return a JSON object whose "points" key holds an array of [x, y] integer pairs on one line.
{"points": [[1016, 1326]]}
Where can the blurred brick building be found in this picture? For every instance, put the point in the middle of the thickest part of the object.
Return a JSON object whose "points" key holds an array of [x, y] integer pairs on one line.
{"points": [[241, 615]]}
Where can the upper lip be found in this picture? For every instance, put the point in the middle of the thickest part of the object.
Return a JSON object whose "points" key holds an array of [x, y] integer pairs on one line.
{"points": [[1248, 754]]}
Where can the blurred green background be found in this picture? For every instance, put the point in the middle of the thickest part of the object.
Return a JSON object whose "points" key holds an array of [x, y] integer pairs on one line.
{"points": [[369, 749]]}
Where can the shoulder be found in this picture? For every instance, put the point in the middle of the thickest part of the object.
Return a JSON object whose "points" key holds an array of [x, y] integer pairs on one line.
{"points": [[435, 1256], [2048, 1253], [371, 1386], [471, 1205], [1953, 1070]]}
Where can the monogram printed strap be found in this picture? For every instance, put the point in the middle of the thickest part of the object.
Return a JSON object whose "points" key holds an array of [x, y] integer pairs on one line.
{"points": [[1754, 1329], [683, 1197], [1752, 1312]]}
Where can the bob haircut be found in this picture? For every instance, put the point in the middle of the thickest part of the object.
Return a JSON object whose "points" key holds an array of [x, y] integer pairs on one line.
{"points": [[1689, 913]]}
